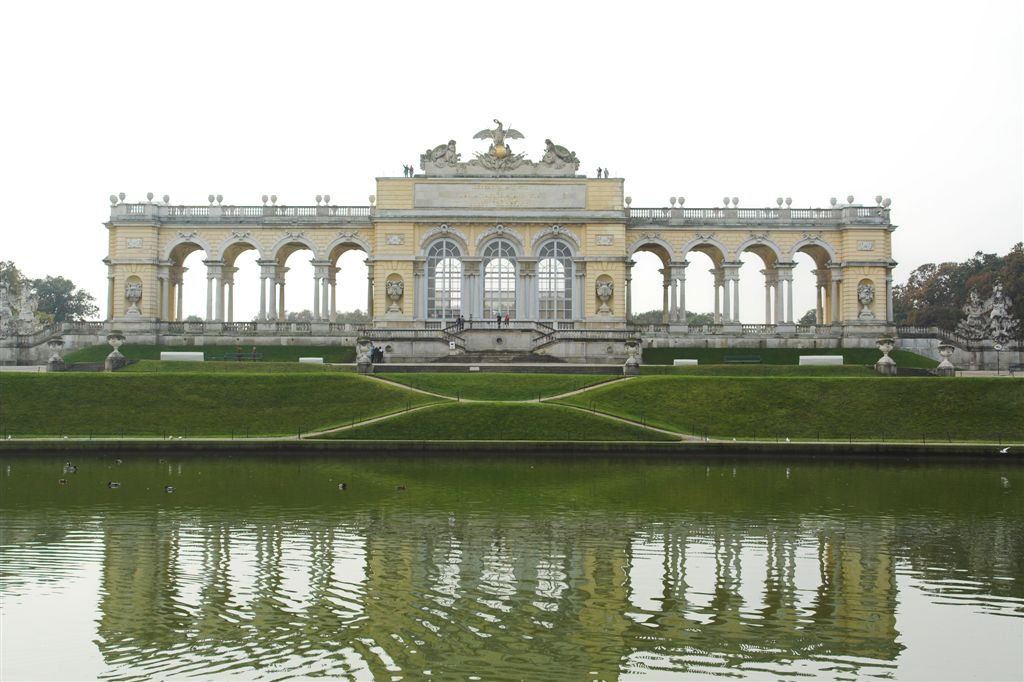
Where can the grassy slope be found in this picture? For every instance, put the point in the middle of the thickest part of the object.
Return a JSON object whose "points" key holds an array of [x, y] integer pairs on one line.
{"points": [[784, 356], [191, 404], [763, 370], [748, 407], [496, 386], [499, 421], [150, 366], [276, 353]]}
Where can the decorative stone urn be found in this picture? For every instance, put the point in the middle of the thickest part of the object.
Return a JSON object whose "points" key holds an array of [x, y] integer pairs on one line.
{"points": [[56, 362], [866, 296], [885, 364], [133, 293], [364, 364], [604, 294], [115, 360], [946, 367], [632, 364], [394, 289]]}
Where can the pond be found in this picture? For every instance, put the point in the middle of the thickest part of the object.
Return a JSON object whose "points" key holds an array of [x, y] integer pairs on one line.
{"points": [[260, 567]]}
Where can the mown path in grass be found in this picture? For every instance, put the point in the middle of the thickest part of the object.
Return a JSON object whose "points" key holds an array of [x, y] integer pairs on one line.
{"points": [[496, 386], [483, 421], [819, 408], [193, 404]]}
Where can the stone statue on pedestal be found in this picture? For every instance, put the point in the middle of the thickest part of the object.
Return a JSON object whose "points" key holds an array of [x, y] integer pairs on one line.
{"points": [[990, 319]]}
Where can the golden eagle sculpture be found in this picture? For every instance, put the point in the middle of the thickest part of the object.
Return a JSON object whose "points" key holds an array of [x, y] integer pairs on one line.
{"points": [[497, 137]]}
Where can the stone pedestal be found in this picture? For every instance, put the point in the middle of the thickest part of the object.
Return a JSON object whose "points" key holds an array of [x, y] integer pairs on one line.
{"points": [[946, 368], [632, 365], [115, 360], [56, 362], [886, 366]]}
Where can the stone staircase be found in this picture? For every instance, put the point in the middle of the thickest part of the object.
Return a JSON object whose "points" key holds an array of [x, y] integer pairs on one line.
{"points": [[500, 357]]}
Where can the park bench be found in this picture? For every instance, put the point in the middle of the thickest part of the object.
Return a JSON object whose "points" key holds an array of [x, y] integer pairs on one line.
{"points": [[744, 359], [1016, 367]]}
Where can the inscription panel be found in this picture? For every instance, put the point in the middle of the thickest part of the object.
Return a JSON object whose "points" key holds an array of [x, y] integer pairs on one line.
{"points": [[462, 195]]}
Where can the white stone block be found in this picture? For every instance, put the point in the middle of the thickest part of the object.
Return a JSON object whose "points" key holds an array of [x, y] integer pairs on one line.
{"points": [[683, 361], [821, 359], [313, 361], [474, 368], [181, 356]]}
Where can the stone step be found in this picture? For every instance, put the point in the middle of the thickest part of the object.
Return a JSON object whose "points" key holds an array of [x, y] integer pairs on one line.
{"points": [[514, 368]]}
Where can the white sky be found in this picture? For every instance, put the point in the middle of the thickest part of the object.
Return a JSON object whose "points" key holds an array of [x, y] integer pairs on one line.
{"points": [[918, 101]]}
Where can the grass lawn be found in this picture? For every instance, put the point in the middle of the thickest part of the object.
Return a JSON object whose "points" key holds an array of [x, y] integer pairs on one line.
{"points": [[191, 404], [496, 385], [784, 356], [213, 367], [812, 407], [499, 421], [763, 370], [275, 353]]}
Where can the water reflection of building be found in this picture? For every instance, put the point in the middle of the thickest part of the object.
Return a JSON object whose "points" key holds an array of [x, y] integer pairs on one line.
{"points": [[453, 596]]}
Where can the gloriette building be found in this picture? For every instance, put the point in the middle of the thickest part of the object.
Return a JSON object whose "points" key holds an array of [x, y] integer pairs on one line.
{"points": [[494, 235]]}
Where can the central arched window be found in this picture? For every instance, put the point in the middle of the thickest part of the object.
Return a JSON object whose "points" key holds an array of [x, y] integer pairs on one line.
{"points": [[444, 280], [499, 261], [554, 281]]}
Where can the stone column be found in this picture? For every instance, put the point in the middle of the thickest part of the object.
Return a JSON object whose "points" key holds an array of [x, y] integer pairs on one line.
{"points": [[682, 291], [369, 290], [888, 296], [769, 283], [726, 307], [334, 293], [229, 282], [316, 293], [719, 276], [665, 283], [266, 285], [209, 296], [281, 314], [579, 307], [110, 294], [819, 295], [834, 303], [784, 292], [163, 275], [178, 278], [629, 289], [272, 294]]}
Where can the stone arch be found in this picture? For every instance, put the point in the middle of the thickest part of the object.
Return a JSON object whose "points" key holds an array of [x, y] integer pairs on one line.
{"points": [[172, 252], [351, 240], [510, 235], [231, 247], [556, 232], [298, 240], [664, 250], [445, 231], [766, 248], [820, 250], [709, 245]]}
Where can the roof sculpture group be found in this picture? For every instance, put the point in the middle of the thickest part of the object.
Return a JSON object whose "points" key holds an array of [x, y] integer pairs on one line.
{"points": [[499, 159]]}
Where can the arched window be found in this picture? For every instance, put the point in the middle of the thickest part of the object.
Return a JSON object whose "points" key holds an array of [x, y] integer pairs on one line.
{"points": [[499, 261], [554, 281], [444, 280]]}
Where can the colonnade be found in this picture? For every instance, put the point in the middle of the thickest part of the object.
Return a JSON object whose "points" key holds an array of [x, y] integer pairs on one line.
{"points": [[778, 293], [220, 291]]}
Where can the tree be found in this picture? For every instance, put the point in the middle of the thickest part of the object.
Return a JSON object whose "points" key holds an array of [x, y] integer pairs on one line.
{"points": [[59, 298], [810, 317], [654, 317], [934, 295], [301, 316], [10, 276]]}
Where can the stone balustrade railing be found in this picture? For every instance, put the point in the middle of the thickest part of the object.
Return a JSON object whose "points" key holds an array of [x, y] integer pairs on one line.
{"points": [[235, 214], [876, 215]]}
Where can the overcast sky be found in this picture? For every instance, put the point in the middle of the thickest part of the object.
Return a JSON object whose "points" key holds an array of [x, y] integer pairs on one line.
{"points": [[917, 101]]}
